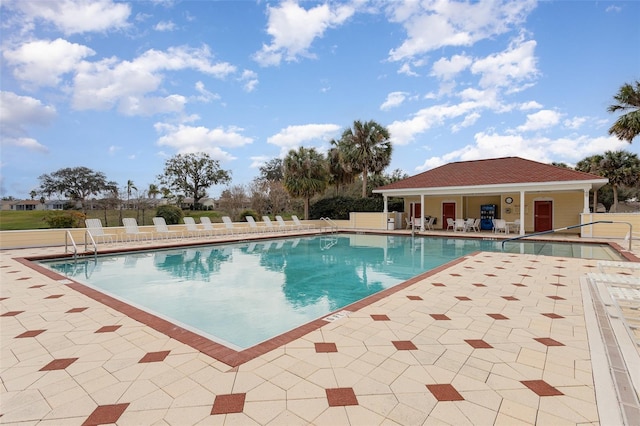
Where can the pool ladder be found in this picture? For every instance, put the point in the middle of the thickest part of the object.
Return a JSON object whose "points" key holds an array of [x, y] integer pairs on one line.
{"points": [[69, 241], [333, 227]]}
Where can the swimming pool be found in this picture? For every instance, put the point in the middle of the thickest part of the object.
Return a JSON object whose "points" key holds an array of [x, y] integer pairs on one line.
{"points": [[241, 294]]}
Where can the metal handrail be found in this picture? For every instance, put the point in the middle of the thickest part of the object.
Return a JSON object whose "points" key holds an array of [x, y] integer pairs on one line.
{"points": [[93, 242], [332, 225], [570, 227], [67, 237]]}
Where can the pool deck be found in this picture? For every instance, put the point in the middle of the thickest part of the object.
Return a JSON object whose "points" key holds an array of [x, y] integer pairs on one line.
{"points": [[494, 338]]}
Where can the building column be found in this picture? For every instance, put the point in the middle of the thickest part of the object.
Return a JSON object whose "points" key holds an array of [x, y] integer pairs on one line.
{"points": [[522, 208], [585, 209], [422, 212], [386, 208]]}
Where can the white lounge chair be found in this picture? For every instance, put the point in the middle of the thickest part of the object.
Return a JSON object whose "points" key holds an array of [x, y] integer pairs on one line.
{"points": [[451, 224], [131, 231], [299, 224], [192, 228], [268, 223], [459, 225], [94, 227], [228, 225], [283, 225], [499, 225], [207, 226], [163, 230], [253, 225], [476, 226]]}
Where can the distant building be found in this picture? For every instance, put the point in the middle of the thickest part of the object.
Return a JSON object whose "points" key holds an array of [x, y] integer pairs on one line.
{"points": [[30, 205]]}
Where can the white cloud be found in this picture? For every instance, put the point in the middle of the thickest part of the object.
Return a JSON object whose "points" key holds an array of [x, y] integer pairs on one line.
{"points": [[294, 136], [530, 105], [205, 95], [165, 26], [187, 139], [259, 161], [43, 62], [543, 119], [575, 122], [109, 82], [510, 68], [446, 69], [432, 25], [76, 16], [250, 80], [393, 100], [17, 114], [293, 29]]}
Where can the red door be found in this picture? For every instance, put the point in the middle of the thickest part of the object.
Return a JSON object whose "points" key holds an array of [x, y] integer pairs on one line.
{"points": [[417, 210], [543, 211], [448, 212]]}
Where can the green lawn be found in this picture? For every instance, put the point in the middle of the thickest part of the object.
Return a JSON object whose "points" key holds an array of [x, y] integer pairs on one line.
{"points": [[21, 220]]}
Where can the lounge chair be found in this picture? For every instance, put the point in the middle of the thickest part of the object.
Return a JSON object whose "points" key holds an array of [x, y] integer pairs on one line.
{"points": [[228, 225], [163, 230], [192, 228], [299, 224], [253, 226], [268, 223], [476, 225], [283, 225], [131, 230], [207, 226], [94, 227], [450, 224]]}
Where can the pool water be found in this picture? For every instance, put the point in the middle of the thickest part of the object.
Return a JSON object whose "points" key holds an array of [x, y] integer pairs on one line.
{"points": [[242, 294]]}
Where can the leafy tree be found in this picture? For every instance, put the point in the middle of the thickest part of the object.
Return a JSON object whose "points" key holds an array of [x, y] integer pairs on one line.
{"points": [[192, 174], [627, 126], [272, 170], [171, 214], [622, 168], [305, 174], [76, 183], [367, 149], [233, 200]]}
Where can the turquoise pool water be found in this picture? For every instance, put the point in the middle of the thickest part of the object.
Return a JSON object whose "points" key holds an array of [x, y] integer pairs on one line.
{"points": [[244, 293]]}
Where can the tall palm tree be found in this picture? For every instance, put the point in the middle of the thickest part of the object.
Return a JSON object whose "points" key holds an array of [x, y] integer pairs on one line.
{"points": [[622, 168], [305, 174], [591, 165], [340, 171], [368, 149], [130, 187], [627, 126], [153, 190]]}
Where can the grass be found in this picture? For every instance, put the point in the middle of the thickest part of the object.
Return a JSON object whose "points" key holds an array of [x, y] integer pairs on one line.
{"points": [[22, 220]]}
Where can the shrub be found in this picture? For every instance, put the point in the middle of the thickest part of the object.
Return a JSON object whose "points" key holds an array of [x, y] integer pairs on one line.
{"points": [[171, 214], [64, 219], [248, 212], [340, 207]]}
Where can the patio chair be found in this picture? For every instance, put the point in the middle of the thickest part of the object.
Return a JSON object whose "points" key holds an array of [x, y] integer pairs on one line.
{"points": [[253, 225], [228, 225], [268, 223], [476, 225], [459, 225], [408, 222], [192, 228], [450, 224], [299, 224], [131, 230], [429, 224], [499, 225], [207, 226], [468, 224], [163, 230], [283, 225], [94, 227]]}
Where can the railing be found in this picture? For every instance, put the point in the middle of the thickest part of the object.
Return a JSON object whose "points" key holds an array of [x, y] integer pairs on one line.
{"points": [[93, 242], [571, 227], [67, 237], [331, 224]]}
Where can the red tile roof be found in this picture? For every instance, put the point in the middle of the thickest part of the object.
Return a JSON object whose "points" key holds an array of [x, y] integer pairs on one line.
{"points": [[495, 171]]}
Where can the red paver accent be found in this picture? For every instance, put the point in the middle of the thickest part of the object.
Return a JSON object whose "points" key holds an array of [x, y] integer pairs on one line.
{"points": [[11, 313], [491, 275], [479, 285], [24, 278], [518, 285], [548, 341], [325, 347], [556, 298], [552, 315], [414, 298], [54, 296], [462, 298], [529, 267], [379, 317], [500, 267], [37, 286], [559, 285], [29, 333], [557, 275], [510, 298], [105, 414], [108, 328], [59, 364], [3, 298], [541, 388], [76, 310], [438, 285], [404, 345], [339, 397], [445, 392], [498, 316], [478, 344], [525, 275], [440, 317], [230, 403], [154, 357]]}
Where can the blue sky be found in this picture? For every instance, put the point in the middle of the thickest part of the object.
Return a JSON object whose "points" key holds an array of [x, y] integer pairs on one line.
{"points": [[120, 87]]}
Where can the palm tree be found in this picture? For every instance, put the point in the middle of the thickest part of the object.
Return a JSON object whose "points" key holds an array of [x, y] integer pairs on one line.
{"points": [[368, 149], [340, 171], [153, 190], [591, 165], [622, 168], [130, 187], [627, 126], [305, 174]]}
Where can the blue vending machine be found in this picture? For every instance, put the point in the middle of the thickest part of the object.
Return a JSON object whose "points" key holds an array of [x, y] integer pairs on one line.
{"points": [[487, 214]]}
